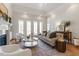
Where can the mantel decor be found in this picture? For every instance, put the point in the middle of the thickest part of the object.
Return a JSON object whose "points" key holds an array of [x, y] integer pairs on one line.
{"points": [[6, 17], [4, 13]]}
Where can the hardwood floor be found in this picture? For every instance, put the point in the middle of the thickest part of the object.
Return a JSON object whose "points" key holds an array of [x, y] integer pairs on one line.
{"points": [[72, 50], [43, 49]]}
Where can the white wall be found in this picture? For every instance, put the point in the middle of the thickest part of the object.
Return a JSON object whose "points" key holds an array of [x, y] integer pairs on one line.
{"points": [[67, 12], [16, 17]]}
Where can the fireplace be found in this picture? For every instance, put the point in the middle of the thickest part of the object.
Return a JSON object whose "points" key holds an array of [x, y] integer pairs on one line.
{"points": [[3, 40]]}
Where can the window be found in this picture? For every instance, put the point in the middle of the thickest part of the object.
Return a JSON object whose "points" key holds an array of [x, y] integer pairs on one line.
{"points": [[40, 27], [21, 26], [48, 27], [35, 27], [28, 27]]}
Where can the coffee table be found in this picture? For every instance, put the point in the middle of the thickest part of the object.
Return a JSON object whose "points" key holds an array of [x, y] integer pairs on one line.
{"points": [[30, 42]]}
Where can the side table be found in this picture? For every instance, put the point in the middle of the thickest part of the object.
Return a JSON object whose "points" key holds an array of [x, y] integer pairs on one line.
{"points": [[60, 46]]}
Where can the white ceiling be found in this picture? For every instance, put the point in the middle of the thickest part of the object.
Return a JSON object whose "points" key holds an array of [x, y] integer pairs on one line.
{"points": [[40, 8], [35, 8]]}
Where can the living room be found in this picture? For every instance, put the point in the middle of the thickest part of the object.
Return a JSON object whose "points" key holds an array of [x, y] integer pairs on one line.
{"points": [[40, 29]]}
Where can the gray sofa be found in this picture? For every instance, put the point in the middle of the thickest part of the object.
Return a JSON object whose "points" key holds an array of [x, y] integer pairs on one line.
{"points": [[50, 41], [51, 38]]}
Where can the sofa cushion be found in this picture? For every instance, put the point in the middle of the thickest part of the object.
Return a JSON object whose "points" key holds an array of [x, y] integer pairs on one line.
{"points": [[52, 35]]}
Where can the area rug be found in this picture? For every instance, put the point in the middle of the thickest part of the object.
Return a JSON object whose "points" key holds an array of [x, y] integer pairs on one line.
{"points": [[53, 52], [45, 50]]}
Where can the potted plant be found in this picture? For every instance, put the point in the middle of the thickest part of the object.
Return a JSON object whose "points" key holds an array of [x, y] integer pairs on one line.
{"points": [[67, 24]]}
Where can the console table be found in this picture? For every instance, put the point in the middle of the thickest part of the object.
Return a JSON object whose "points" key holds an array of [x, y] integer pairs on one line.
{"points": [[67, 35]]}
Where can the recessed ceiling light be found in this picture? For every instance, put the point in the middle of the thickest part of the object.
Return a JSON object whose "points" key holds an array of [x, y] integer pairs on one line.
{"points": [[25, 15], [72, 7], [53, 15], [39, 17]]}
